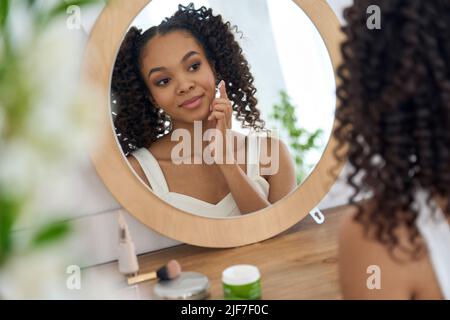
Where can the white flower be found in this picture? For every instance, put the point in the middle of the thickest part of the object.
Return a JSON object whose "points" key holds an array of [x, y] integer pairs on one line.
{"points": [[59, 125], [55, 62], [39, 159], [16, 167], [20, 25]]}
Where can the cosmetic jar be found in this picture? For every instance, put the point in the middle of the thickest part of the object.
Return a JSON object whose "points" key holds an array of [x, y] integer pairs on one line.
{"points": [[241, 282], [187, 286]]}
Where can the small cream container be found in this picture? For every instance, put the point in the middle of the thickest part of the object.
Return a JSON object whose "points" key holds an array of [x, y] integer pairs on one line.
{"points": [[241, 282]]}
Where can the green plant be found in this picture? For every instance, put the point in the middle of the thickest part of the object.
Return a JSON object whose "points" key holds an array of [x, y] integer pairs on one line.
{"points": [[20, 97], [300, 140], [47, 233]]}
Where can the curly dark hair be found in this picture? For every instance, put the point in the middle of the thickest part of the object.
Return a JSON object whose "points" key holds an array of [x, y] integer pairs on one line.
{"points": [[138, 123], [394, 114]]}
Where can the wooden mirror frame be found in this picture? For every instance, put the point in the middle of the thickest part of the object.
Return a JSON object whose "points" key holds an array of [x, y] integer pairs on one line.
{"points": [[119, 177]]}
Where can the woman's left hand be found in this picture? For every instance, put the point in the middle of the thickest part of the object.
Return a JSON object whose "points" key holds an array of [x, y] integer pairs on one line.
{"points": [[221, 112]]}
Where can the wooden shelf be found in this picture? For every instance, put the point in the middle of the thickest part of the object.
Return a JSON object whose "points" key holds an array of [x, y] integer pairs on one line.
{"points": [[300, 263]]}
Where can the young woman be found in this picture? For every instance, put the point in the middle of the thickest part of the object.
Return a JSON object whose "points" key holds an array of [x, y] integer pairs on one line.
{"points": [[395, 119], [165, 79]]}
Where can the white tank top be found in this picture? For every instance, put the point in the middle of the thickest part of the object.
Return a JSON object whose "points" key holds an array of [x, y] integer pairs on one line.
{"points": [[226, 207], [436, 232]]}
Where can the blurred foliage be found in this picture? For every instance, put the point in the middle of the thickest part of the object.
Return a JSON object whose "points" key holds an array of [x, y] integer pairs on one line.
{"points": [[43, 14], [49, 233], [15, 104], [8, 213], [300, 140]]}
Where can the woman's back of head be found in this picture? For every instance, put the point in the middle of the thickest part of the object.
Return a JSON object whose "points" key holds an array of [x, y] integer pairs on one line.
{"points": [[394, 109]]}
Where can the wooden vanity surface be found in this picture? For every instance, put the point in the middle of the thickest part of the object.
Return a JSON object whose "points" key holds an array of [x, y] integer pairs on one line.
{"points": [[300, 263]]}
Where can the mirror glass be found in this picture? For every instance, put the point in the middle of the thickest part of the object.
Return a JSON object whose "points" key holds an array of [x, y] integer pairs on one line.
{"points": [[222, 108]]}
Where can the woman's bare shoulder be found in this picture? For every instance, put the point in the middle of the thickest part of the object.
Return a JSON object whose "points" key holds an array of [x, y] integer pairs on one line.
{"points": [[364, 260], [275, 150], [365, 268]]}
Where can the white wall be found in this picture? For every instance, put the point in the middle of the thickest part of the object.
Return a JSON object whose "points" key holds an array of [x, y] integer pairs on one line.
{"points": [[97, 209]]}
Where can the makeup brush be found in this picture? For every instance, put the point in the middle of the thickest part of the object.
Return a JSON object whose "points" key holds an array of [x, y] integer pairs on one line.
{"points": [[167, 272]]}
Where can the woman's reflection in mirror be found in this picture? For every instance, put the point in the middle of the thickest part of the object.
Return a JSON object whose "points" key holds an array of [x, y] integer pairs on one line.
{"points": [[190, 70]]}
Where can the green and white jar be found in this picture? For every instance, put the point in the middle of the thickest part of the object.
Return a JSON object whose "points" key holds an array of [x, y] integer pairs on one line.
{"points": [[241, 282]]}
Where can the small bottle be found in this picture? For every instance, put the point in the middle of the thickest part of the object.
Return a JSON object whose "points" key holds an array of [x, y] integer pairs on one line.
{"points": [[128, 264]]}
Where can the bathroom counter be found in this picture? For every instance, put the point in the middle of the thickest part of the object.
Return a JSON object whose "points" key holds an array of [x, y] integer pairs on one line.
{"points": [[300, 263]]}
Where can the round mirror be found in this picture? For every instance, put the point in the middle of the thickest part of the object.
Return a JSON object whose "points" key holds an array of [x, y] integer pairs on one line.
{"points": [[219, 125]]}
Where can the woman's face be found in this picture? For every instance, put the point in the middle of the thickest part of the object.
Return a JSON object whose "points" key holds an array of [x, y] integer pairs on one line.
{"points": [[178, 75]]}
